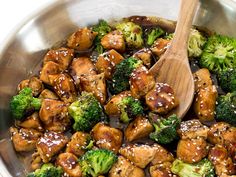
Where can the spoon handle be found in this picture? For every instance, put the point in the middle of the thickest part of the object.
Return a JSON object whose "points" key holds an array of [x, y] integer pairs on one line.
{"points": [[182, 30]]}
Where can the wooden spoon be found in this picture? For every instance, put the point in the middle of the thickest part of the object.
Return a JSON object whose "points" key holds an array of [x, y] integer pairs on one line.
{"points": [[173, 66]]}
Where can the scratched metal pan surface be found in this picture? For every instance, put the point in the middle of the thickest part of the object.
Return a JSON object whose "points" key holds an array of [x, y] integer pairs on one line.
{"points": [[20, 56]]}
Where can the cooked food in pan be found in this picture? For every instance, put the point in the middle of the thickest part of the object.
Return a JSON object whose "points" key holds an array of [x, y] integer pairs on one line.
{"points": [[95, 110]]}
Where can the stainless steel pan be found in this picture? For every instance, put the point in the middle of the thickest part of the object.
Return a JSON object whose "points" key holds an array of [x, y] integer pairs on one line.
{"points": [[21, 55]]}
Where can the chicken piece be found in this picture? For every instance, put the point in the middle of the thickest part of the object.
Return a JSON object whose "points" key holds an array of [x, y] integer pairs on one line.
{"points": [[140, 155], [24, 140], [114, 40], [159, 47], [124, 168], [69, 164], [192, 150], [36, 162], [48, 94], [50, 68], [23, 84], [139, 128], [50, 144], [202, 79], [78, 143], [222, 133], [206, 95], [223, 164], [107, 137], [161, 170], [107, 61], [161, 99], [232, 151], [54, 115], [192, 129], [64, 87], [112, 108], [82, 39], [82, 66], [229, 136], [34, 83], [205, 103], [95, 84], [161, 155], [145, 55], [31, 122], [61, 56], [141, 82]]}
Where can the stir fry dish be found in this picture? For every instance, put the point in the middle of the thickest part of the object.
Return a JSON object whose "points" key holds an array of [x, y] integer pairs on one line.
{"points": [[94, 110]]}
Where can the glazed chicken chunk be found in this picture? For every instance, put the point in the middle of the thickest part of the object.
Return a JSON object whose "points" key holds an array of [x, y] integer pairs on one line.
{"points": [[50, 68], [222, 133], [206, 95], [161, 155], [145, 55], [64, 87], [161, 170], [36, 161], [161, 99], [223, 164], [54, 115], [78, 143], [107, 61], [50, 144], [34, 83], [114, 40], [82, 66], [159, 47], [61, 56], [124, 168], [139, 128], [69, 164], [24, 139], [140, 155], [202, 79], [192, 129], [141, 82], [48, 94], [95, 84], [107, 137], [82, 39], [31, 122], [192, 150]]}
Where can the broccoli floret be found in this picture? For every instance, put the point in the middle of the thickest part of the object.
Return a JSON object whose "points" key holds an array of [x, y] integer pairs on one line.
{"points": [[47, 170], [130, 108], [122, 73], [226, 108], [227, 80], [165, 128], [169, 36], [219, 54], [24, 103], [89, 143], [102, 28], [153, 35], [196, 42], [132, 34], [200, 169], [97, 162], [86, 112]]}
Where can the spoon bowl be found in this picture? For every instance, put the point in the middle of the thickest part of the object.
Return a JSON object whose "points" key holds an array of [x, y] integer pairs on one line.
{"points": [[173, 67]]}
